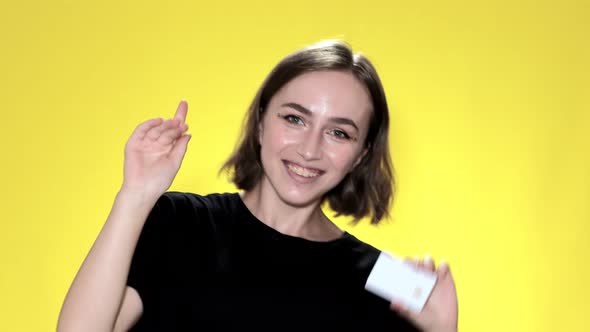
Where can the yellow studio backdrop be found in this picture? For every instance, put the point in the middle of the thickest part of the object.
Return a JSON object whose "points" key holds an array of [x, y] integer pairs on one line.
{"points": [[490, 134]]}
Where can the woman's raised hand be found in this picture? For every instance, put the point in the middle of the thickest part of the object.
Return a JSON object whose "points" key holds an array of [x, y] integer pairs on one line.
{"points": [[154, 153]]}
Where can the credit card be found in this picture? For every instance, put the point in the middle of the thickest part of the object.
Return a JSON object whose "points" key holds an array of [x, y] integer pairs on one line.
{"points": [[392, 279]]}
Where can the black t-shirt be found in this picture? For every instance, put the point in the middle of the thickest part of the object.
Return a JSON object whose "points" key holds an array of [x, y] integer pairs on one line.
{"points": [[206, 263]]}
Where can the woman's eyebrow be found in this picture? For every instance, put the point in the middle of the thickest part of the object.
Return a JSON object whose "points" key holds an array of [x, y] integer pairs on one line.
{"points": [[339, 120]]}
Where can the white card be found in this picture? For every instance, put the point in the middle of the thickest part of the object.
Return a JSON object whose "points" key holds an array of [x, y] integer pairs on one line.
{"points": [[392, 279]]}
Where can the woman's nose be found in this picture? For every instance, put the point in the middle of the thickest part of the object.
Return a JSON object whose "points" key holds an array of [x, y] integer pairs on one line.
{"points": [[309, 148]]}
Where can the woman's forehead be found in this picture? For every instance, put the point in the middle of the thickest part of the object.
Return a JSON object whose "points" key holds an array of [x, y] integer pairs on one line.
{"points": [[327, 92]]}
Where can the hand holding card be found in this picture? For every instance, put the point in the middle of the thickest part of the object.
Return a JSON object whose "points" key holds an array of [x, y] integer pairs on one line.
{"points": [[394, 280], [418, 290]]}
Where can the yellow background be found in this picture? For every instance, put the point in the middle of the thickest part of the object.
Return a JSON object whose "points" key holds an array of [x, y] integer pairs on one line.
{"points": [[490, 133]]}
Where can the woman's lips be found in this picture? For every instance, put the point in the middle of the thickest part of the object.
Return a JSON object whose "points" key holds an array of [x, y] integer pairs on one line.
{"points": [[303, 172]]}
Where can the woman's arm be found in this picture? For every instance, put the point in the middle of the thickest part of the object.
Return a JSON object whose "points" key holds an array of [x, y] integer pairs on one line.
{"points": [[130, 311], [98, 299], [98, 296]]}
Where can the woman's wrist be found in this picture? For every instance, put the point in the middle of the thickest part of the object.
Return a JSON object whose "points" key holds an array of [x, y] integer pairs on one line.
{"points": [[137, 197], [134, 204]]}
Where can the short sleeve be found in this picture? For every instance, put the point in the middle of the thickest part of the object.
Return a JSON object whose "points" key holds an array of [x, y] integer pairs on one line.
{"points": [[148, 257]]}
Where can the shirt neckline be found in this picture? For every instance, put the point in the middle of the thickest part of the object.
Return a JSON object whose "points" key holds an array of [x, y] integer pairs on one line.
{"points": [[276, 235]]}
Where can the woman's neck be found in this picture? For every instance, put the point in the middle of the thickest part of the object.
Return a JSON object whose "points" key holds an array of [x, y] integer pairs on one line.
{"points": [[308, 222]]}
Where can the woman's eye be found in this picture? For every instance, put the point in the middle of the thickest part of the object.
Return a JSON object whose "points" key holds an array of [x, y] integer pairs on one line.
{"points": [[340, 134], [293, 119]]}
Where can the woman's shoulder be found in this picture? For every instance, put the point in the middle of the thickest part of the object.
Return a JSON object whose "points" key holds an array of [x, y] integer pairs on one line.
{"points": [[189, 203], [211, 200], [359, 246]]}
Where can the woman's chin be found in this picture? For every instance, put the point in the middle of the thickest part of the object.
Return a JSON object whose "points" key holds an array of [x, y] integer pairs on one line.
{"points": [[298, 199]]}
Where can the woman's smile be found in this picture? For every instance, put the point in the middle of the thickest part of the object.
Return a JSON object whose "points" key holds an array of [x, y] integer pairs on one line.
{"points": [[302, 174]]}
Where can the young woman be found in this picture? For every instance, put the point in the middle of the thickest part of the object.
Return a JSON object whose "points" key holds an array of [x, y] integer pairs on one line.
{"points": [[268, 258]]}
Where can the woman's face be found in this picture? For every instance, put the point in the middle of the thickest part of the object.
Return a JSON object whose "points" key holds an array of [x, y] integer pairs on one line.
{"points": [[312, 134]]}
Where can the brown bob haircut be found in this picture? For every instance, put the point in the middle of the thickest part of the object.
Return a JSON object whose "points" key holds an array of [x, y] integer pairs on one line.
{"points": [[368, 189]]}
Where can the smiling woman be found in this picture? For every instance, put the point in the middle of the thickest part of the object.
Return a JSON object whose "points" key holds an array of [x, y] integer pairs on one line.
{"points": [[268, 258], [307, 152], [337, 85]]}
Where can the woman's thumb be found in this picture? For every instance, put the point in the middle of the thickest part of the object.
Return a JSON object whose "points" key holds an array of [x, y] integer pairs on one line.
{"points": [[179, 149]]}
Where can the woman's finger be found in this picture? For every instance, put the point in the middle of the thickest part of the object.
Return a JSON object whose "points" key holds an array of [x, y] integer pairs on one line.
{"points": [[179, 149], [428, 263], [170, 135], [154, 133], [141, 130], [412, 262], [443, 269], [408, 261], [417, 262], [181, 111]]}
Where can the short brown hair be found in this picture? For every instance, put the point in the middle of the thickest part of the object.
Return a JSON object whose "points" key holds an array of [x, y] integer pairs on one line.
{"points": [[367, 190]]}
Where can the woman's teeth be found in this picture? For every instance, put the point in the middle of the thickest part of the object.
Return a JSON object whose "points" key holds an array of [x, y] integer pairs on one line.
{"points": [[302, 171]]}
